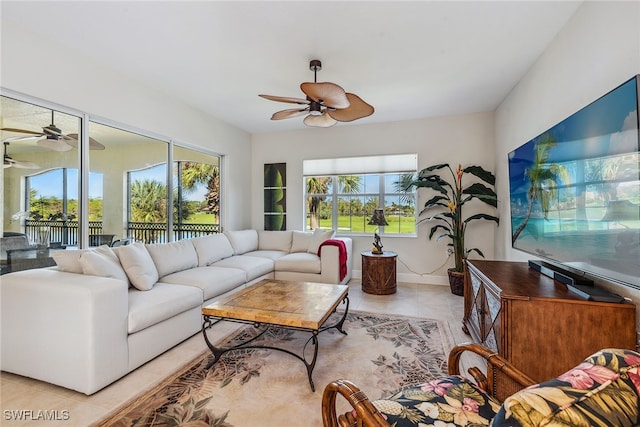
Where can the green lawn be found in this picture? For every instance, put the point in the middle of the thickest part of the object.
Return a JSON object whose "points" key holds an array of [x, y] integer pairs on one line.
{"points": [[358, 225], [402, 225], [202, 218]]}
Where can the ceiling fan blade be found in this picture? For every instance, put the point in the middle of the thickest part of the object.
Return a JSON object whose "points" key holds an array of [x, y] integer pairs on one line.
{"points": [[357, 110], [285, 99], [21, 131], [73, 141], [287, 114], [321, 121], [54, 144], [21, 138], [25, 165], [19, 164], [328, 94]]}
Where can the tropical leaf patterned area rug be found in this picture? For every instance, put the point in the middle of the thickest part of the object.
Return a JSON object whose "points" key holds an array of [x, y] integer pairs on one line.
{"points": [[257, 387]]}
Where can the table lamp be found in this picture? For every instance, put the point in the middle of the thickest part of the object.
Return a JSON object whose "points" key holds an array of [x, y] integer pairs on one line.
{"points": [[377, 219]]}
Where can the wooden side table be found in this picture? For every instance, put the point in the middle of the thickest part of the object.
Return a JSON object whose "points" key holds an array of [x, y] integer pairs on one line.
{"points": [[379, 273]]}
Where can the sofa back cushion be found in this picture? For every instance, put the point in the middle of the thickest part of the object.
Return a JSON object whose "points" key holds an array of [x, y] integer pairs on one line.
{"points": [[138, 265], [68, 260], [318, 237], [243, 241], [102, 262], [274, 240], [173, 257], [300, 241], [212, 248]]}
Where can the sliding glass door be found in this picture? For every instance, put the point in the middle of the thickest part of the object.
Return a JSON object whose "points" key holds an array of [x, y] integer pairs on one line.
{"points": [[40, 172], [118, 186]]}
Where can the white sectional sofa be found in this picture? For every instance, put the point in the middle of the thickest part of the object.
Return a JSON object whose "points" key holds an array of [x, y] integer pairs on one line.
{"points": [[101, 313]]}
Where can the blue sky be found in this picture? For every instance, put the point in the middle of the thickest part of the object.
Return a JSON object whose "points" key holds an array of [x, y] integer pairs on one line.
{"points": [[50, 183]]}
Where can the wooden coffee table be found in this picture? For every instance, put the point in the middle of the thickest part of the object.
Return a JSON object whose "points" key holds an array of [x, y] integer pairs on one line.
{"points": [[303, 306]]}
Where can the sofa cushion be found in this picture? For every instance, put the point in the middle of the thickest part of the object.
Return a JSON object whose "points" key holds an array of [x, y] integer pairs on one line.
{"points": [[300, 241], [138, 265], [68, 260], [450, 401], [601, 391], [274, 240], [318, 237], [243, 241], [300, 262], [253, 266], [102, 262], [171, 257], [148, 308], [213, 281], [274, 255], [212, 248]]}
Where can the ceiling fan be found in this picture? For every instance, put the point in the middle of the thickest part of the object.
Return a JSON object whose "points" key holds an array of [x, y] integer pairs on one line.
{"points": [[325, 103], [11, 163], [54, 139]]}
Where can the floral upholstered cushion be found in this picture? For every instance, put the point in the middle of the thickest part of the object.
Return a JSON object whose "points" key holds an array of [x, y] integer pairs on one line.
{"points": [[601, 391], [450, 401]]}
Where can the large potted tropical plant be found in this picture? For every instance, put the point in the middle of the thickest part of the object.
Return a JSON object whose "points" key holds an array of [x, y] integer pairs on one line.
{"points": [[445, 208]]}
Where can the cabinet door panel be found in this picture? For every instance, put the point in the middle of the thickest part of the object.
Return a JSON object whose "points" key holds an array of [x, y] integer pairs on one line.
{"points": [[476, 313], [492, 321]]}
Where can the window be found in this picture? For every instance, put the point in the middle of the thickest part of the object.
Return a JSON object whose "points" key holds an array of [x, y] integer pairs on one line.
{"points": [[196, 204], [51, 203], [196, 188], [54, 185], [342, 194]]}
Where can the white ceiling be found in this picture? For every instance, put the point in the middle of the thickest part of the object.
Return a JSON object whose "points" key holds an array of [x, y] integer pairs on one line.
{"points": [[409, 60]]}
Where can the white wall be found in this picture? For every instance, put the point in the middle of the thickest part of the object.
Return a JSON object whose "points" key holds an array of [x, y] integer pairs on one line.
{"points": [[462, 139], [595, 52], [34, 66]]}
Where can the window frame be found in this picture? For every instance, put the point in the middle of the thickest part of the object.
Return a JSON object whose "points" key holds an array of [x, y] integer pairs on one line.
{"points": [[335, 195], [84, 120]]}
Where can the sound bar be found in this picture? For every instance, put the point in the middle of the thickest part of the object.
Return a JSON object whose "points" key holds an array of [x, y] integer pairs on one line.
{"points": [[575, 283], [563, 276]]}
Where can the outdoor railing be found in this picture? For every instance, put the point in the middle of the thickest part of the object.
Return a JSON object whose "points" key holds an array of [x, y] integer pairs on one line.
{"points": [[147, 232], [66, 232], [63, 232]]}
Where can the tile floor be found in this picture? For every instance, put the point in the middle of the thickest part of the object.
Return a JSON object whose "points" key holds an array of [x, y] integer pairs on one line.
{"points": [[19, 393]]}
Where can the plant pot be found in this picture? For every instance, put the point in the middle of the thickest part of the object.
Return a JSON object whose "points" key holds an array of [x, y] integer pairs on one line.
{"points": [[456, 281]]}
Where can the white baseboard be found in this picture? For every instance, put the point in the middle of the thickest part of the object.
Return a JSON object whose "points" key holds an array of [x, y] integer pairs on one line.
{"points": [[411, 278]]}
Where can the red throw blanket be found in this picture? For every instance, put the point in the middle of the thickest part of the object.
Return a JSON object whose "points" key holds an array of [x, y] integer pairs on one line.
{"points": [[342, 254]]}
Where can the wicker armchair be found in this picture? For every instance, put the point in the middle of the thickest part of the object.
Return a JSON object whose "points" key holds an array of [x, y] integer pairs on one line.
{"points": [[603, 390], [501, 380]]}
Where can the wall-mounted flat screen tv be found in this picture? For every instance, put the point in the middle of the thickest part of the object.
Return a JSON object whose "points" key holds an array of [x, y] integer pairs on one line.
{"points": [[575, 190]]}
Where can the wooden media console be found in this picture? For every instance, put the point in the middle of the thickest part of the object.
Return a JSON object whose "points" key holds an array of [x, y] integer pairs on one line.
{"points": [[535, 322]]}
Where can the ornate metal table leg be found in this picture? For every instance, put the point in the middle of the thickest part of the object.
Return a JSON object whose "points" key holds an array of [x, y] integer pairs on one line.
{"points": [[340, 323], [219, 351], [310, 366], [346, 310]]}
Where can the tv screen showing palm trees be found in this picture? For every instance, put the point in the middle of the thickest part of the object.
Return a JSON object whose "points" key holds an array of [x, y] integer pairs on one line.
{"points": [[575, 189]]}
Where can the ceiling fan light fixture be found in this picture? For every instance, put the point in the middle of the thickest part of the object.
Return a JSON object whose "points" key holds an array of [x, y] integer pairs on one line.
{"points": [[315, 108], [328, 103], [321, 121]]}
